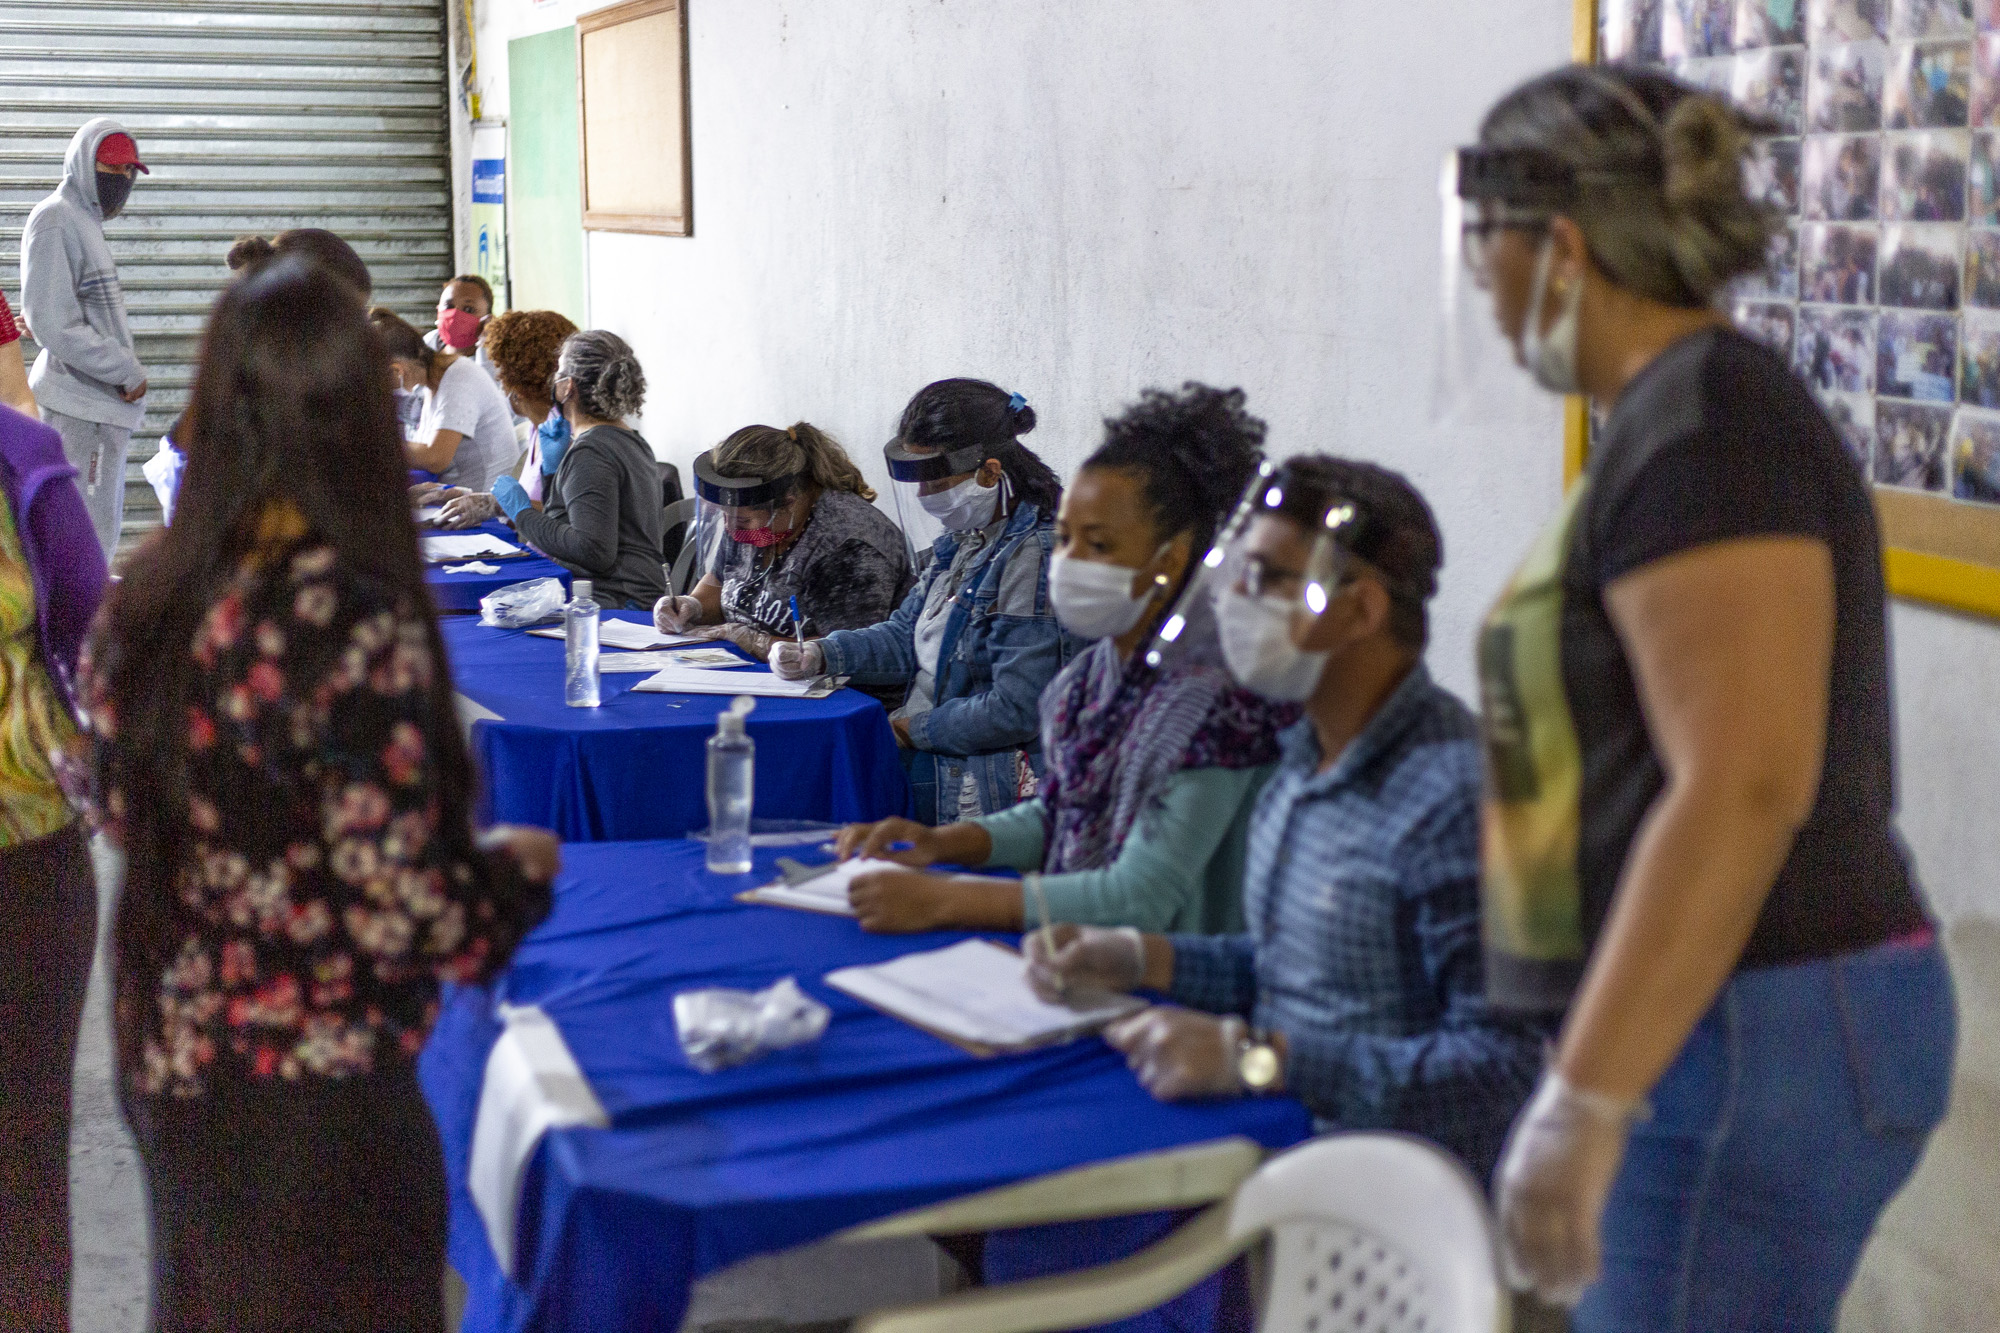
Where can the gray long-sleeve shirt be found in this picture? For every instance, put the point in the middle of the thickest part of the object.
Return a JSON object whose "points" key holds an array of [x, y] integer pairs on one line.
{"points": [[602, 516]]}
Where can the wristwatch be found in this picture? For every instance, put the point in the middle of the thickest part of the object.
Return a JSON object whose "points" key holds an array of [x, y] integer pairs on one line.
{"points": [[1258, 1063]]}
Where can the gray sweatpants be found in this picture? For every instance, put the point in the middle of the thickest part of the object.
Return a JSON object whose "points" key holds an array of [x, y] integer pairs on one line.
{"points": [[97, 452]]}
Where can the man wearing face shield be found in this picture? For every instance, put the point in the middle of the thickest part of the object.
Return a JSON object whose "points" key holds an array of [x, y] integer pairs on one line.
{"points": [[87, 379], [1690, 850], [970, 650], [1356, 986]]}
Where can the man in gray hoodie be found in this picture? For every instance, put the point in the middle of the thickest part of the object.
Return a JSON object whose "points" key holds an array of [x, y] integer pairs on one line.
{"points": [[88, 380]]}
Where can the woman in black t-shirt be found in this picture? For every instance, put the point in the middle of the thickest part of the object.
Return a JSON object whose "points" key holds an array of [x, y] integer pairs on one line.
{"points": [[1690, 846]]}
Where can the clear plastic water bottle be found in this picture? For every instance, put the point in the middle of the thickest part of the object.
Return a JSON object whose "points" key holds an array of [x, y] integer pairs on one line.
{"points": [[732, 778], [580, 648]]}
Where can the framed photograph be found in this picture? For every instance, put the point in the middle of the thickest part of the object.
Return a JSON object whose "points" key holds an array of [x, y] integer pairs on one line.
{"points": [[1769, 323], [1771, 84], [1844, 90], [1930, 18], [638, 172], [1910, 445], [1920, 266], [1697, 28], [1927, 85], [1772, 174], [1853, 415], [1846, 20], [1916, 356], [1975, 457], [1835, 349], [1923, 176], [1882, 155], [1840, 177]]}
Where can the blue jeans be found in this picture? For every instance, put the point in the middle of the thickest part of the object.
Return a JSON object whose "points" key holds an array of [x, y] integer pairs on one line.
{"points": [[1798, 1107]]}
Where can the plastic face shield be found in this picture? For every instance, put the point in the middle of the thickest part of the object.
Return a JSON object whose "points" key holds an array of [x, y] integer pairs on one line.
{"points": [[1190, 632], [917, 471], [738, 519], [1484, 193]]}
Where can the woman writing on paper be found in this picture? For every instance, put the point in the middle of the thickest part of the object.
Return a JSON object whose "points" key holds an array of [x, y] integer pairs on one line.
{"points": [[602, 515], [278, 756], [466, 432], [784, 517], [1143, 812], [1690, 846], [972, 647]]}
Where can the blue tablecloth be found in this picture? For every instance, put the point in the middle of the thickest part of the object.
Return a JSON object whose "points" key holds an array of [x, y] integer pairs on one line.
{"points": [[698, 1171], [636, 767], [461, 592]]}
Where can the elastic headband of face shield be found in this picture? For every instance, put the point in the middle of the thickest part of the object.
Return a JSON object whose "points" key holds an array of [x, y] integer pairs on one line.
{"points": [[905, 464], [742, 492]]}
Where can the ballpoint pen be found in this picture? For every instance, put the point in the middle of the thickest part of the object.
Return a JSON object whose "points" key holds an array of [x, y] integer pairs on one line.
{"points": [[798, 625]]}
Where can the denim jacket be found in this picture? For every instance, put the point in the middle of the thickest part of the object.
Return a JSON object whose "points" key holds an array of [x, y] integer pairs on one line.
{"points": [[992, 666]]}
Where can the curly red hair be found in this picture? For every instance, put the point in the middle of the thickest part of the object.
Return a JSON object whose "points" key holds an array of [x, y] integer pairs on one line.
{"points": [[524, 345]]}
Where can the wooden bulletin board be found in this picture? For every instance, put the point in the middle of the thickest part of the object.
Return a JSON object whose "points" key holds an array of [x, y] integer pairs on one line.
{"points": [[632, 78], [1940, 519]]}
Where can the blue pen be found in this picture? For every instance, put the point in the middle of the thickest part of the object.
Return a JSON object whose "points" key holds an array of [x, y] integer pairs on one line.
{"points": [[798, 623]]}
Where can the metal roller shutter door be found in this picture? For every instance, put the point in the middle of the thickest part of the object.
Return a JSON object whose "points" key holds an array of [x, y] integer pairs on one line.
{"points": [[255, 115]]}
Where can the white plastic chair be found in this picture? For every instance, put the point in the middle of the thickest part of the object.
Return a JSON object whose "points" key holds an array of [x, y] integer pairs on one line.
{"points": [[1370, 1233]]}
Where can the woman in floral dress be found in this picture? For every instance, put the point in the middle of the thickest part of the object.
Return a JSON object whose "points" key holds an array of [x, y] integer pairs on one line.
{"points": [[277, 753]]}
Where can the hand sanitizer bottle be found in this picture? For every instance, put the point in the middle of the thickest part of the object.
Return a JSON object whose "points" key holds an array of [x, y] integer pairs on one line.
{"points": [[580, 648], [732, 778]]}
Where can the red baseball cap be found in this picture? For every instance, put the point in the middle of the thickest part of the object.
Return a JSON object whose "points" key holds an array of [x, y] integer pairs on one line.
{"points": [[118, 150]]}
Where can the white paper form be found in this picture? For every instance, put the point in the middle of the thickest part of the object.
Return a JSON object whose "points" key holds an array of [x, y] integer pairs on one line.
{"points": [[466, 546], [822, 893], [694, 680], [704, 659], [625, 634], [976, 992]]}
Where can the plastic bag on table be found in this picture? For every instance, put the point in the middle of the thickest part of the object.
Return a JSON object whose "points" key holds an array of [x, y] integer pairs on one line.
{"points": [[519, 605], [719, 1028]]}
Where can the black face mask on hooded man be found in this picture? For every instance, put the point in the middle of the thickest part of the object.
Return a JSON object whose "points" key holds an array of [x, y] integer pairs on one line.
{"points": [[113, 189]]}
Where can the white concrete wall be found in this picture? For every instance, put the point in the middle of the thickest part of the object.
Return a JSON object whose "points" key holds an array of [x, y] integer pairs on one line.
{"points": [[1079, 199]]}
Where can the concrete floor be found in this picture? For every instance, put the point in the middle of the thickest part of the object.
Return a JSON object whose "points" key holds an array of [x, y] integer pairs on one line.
{"points": [[1931, 1265]]}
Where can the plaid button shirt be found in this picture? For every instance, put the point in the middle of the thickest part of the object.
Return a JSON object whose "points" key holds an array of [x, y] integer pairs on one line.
{"points": [[1361, 892]]}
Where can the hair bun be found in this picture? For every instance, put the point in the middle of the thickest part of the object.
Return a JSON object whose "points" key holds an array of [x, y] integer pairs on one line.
{"points": [[1704, 142], [249, 251], [1022, 418]]}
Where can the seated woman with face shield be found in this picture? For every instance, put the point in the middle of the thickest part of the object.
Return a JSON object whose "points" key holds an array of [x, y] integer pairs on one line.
{"points": [[790, 542], [970, 650], [601, 513], [1151, 768]]}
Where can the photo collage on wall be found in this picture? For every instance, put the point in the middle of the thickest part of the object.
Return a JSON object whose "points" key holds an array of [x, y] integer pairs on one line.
{"points": [[1883, 288]]}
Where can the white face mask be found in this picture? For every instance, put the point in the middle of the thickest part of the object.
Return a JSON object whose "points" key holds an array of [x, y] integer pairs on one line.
{"points": [[1257, 643], [964, 507], [1550, 357], [1095, 601]]}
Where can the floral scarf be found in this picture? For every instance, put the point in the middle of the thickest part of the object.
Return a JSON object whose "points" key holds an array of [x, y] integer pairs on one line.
{"points": [[1114, 732]]}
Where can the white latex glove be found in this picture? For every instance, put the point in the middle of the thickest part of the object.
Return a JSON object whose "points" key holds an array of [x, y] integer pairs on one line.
{"points": [[1085, 958], [1179, 1054], [673, 615], [792, 660], [1554, 1175]]}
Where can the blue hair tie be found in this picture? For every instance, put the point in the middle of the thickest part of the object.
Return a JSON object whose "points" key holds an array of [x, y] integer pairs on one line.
{"points": [[1015, 402]]}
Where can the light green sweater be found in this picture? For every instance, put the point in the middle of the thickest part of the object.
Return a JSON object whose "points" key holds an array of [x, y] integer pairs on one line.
{"points": [[1180, 869]]}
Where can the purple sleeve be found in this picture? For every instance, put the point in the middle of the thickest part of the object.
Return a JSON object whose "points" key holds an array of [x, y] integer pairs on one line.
{"points": [[69, 569]]}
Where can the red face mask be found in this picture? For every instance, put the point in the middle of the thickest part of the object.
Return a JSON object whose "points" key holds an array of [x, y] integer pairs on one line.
{"points": [[459, 329], [759, 537]]}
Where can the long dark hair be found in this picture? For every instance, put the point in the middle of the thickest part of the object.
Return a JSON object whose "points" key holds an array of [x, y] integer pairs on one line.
{"points": [[950, 413], [291, 403]]}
